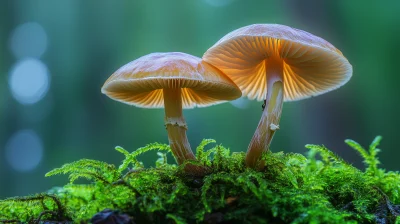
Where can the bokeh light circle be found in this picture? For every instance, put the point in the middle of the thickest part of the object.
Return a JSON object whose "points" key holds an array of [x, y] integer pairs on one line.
{"points": [[28, 40], [29, 81], [24, 150]]}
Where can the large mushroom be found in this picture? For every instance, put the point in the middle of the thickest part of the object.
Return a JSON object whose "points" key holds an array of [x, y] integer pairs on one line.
{"points": [[174, 81], [277, 63]]}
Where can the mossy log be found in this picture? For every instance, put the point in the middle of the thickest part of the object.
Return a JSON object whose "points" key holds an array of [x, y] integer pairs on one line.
{"points": [[292, 188]]}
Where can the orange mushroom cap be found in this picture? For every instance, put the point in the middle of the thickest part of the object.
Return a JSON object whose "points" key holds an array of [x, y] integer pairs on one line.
{"points": [[311, 65], [141, 82]]}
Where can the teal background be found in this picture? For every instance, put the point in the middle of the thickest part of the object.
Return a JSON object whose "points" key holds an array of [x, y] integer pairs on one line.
{"points": [[88, 40]]}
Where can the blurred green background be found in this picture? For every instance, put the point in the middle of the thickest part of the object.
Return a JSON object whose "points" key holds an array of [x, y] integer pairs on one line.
{"points": [[55, 56]]}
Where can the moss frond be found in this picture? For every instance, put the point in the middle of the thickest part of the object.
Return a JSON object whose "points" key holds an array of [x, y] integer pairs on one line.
{"points": [[327, 155], [200, 154], [130, 158], [370, 157], [291, 188], [32, 209], [89, 169], [389, 182]]}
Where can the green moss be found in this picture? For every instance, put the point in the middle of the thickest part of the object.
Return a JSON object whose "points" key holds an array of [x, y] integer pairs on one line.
{"points": [[291, 189]]}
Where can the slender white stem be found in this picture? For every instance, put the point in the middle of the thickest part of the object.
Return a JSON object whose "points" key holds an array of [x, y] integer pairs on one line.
{"points": [[176, 126], [269, 122]]}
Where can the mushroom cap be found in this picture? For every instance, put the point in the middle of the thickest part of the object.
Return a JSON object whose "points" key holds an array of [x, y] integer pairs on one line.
{"points": [[311, 65], [141, 82]]}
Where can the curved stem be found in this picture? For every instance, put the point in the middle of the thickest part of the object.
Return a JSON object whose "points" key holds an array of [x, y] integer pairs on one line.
{"points": [[271, 115], [176, 126]]}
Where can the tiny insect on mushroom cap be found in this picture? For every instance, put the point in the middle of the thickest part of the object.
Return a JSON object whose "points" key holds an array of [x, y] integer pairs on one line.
{"points": [[174, 81], [277, 63]]}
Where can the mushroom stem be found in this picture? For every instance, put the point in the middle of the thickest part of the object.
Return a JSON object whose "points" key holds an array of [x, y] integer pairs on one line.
{"points": [[176, 125], [271, 115]]}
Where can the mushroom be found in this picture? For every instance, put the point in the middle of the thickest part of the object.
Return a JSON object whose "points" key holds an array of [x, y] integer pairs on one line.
{"points": [[277, 63], [174, 81]]}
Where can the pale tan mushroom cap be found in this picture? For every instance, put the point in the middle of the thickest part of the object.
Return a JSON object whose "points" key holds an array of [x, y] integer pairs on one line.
{"points": [[312, 66], [141, 82]]}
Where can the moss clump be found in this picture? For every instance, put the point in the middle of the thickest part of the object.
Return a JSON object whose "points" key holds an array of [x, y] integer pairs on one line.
{"points": [[291, 189]]}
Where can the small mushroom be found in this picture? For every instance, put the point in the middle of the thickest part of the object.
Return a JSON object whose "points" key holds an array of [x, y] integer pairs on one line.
{"points": [[173, 81], [277, 63]]}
